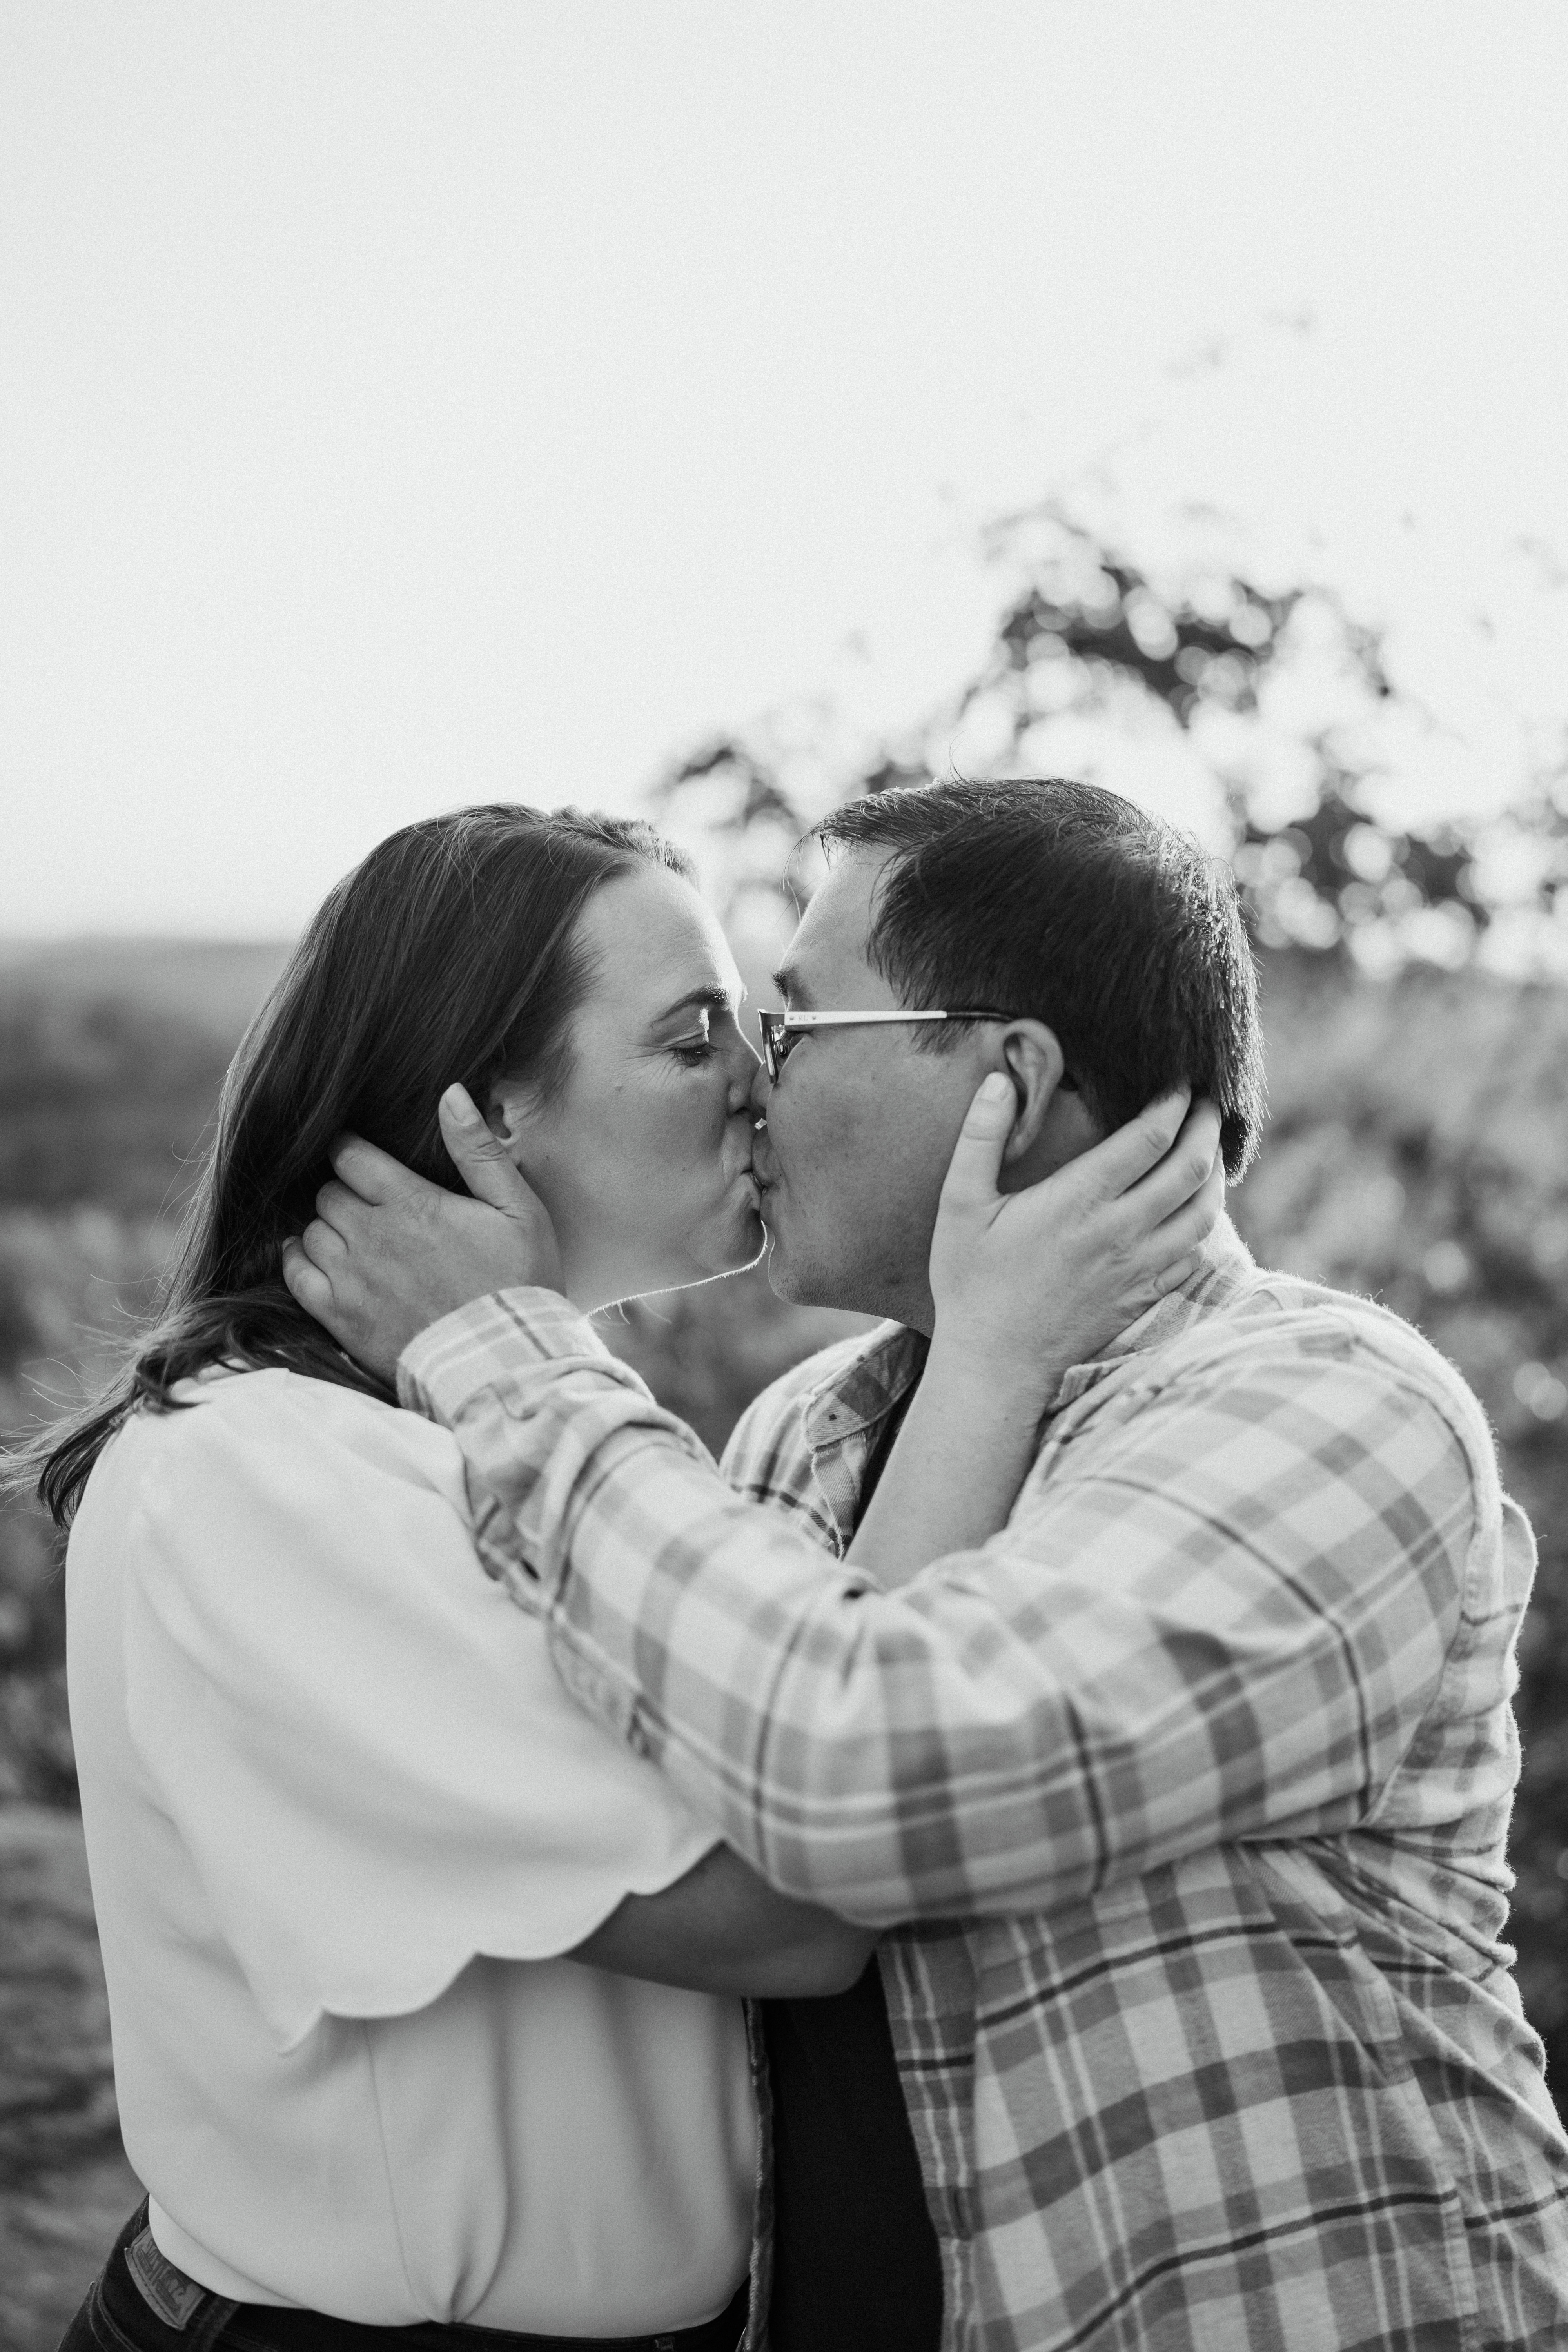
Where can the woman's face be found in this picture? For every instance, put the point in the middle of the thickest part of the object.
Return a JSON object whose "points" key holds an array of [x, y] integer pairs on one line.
{"points": [[644, 1159]]}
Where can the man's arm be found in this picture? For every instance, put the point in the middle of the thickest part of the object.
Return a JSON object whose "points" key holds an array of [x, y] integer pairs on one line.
{"points": [[1222, 1617]]}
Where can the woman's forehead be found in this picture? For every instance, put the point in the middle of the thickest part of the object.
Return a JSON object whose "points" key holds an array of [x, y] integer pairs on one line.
{"points": [[656, 942]]}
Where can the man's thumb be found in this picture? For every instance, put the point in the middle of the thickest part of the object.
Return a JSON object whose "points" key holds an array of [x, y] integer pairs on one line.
{"points": [[976, 1159], [479, 1160]]}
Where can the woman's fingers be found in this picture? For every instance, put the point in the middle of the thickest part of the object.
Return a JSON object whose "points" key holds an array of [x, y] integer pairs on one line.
{"points": [[1171, 1277], [1193, 1221], [1127, 1153], [976, 1162], [1186, 1167]]}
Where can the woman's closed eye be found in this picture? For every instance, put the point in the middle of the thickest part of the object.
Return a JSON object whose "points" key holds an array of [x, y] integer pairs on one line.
{"points": [[697, 1047]]}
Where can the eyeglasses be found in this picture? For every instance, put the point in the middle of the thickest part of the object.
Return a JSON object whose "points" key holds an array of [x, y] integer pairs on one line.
{"points": [[782, 1032]]}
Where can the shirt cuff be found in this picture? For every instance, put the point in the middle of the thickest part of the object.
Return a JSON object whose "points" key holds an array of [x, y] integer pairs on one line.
{"points": [[512, 1330]]}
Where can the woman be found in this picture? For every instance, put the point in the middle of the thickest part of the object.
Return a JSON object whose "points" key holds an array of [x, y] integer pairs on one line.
{"points": [[350, 1842]]}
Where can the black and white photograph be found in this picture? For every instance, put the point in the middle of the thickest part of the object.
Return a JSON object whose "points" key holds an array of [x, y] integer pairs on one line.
{"points": [[784, 1176]]}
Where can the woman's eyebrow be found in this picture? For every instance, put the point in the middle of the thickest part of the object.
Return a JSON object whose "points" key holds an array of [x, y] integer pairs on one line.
{"points": [[709, 998]]}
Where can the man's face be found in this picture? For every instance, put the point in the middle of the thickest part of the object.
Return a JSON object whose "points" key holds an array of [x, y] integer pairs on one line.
{"points": [[862, 1124]]}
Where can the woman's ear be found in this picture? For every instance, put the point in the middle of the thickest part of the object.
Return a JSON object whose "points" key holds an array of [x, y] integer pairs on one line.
{"points": [[507, 1108], [1036, 1067]]}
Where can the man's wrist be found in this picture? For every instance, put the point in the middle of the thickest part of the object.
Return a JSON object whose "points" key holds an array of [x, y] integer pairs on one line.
{"points": [[507, 1331]]}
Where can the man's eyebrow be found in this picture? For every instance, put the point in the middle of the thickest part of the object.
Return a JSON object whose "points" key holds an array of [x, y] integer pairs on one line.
{"points": [[711, 999], [791, 986]]}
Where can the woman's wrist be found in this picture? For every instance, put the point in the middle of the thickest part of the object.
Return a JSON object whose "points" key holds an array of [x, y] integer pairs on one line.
{"points": [[981, 1369]]}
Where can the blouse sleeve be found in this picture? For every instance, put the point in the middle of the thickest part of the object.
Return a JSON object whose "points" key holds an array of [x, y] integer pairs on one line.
{"points": [[359, 1739]]}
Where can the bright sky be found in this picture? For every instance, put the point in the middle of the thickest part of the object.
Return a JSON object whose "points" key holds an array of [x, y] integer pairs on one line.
{"points": [[412, 403]]}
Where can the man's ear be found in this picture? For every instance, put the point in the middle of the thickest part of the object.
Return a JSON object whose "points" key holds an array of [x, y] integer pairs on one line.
{"points": [[1034, 1063]]}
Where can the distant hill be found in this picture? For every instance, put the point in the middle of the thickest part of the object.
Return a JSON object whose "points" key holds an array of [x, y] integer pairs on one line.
{"points": [[214, 986], [112, 1055]]}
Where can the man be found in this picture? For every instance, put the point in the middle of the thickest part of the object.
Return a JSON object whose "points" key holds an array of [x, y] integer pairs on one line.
{"points": [[1184, 1798]]}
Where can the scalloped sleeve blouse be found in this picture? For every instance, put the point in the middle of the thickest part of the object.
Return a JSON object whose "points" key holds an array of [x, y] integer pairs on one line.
{"points": [[342, 1823]]}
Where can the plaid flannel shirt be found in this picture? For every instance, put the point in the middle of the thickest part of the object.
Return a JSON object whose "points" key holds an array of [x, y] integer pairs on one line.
{"points": [[1194, 1781]]}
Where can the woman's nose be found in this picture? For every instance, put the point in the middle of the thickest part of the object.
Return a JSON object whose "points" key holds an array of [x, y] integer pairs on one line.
{"points": [[745, 1068]]}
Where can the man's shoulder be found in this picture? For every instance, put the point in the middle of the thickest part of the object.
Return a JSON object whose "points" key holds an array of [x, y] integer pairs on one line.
{"points": [[1300, 1327], [1289, 1312]]}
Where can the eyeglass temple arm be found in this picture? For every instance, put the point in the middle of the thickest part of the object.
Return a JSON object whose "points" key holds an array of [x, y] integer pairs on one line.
{"points": [[858, 1020]]}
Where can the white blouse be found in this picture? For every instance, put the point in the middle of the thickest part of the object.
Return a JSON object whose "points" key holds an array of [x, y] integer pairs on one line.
{"points": [[341, 1821]]}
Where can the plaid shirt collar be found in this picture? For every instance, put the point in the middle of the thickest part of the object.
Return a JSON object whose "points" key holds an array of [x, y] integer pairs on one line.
{"points": [[856, 1396]]}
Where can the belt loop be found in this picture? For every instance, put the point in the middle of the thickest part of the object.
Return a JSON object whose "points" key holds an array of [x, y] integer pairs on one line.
{"points": [[210, 2327]]}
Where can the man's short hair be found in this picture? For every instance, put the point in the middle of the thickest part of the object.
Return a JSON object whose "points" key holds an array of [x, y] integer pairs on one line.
{"points": [[1069, 904]]}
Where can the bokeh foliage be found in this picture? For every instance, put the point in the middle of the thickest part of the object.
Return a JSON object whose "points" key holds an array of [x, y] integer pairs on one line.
{"points": [[1418, 1148], [1274, 693]]}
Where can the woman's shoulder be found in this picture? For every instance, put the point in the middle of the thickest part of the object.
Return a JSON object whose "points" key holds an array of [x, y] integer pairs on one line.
{"points": [[271, 1492], [271, 1428]]}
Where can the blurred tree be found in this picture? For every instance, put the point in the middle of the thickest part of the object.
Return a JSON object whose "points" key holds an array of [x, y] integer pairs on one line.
{"points": [[1418, 1148], [1419, 1144], [1417, 1151], [1276, 693]]}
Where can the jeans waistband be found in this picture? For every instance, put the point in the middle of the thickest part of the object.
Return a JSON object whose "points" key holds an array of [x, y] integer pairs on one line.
{"points": [[142, 2303]]}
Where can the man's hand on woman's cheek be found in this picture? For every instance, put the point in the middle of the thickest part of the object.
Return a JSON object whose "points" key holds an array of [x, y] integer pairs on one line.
{"points": [[388, 1253]]}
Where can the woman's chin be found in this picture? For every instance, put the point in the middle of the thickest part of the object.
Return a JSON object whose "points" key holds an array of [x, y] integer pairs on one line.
{"points": [[744, 1244], [738, 1244], [725, 1248]]}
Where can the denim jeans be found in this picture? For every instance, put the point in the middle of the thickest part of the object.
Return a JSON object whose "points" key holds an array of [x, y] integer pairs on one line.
{"points": [[140, 2303]]}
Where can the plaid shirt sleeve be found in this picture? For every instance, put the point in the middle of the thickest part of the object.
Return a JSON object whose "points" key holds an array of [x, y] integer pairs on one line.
{"points": [[1220, 1612]]}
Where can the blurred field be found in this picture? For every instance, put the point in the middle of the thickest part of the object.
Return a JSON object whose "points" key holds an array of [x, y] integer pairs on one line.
{"points": [[65, 2186], [1418, 1151]]}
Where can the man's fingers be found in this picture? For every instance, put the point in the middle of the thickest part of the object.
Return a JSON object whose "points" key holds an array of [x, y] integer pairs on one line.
{"points": [[325, 1247], [343, 1210], [306, 1283], [373, 1173], [480, 1159], [976, 1161]]}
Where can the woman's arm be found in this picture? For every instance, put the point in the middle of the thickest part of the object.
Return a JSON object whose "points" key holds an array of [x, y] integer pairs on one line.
{"points": [[1025, 1284], [723, 1930]]}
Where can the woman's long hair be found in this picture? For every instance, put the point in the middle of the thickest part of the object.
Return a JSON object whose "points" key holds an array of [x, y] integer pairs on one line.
{"points": [[449, 954]]}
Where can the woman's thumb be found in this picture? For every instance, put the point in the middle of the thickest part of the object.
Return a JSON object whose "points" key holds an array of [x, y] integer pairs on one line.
{"points": [[481, 1159], [976, 1159]]}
